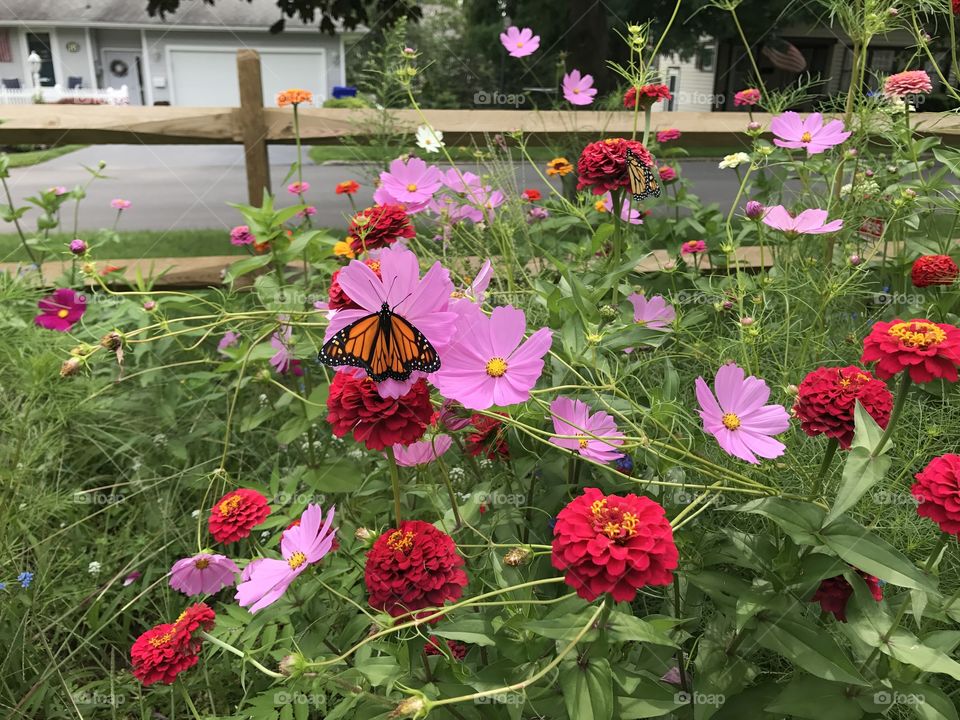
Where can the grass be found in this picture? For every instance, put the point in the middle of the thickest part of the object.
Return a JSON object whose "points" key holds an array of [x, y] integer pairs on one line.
{"points": [[135, 244], [35, 157]]}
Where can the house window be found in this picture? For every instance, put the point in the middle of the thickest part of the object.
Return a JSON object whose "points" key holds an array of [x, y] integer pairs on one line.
{"points": [[673, 82], [706, 55], [39, 43]]}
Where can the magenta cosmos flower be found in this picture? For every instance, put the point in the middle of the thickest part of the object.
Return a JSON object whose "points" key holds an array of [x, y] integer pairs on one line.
{"points": [[739, 418], [578, 89], [282, 359], [422, 302], [411, 183], [628, 213], [653, 313], [422, 452], [265, 580], [203, 573], [520, 43], [794, 132], [905, 84], [489, 363], [810, 222], [61, 310], [595, 436]]}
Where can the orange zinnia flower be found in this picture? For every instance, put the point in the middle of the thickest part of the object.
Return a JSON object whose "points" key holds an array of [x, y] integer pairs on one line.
{"points": [[559, 166], [294, 96], [348, 187]]}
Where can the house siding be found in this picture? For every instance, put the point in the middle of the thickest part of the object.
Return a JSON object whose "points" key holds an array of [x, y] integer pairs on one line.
{"points": [[693, 87]]}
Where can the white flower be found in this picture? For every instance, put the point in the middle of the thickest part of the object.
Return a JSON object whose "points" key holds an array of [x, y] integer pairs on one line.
{"points": [[93, 568], [429, 139], [457, 473], [734, 161], [195, 514]]}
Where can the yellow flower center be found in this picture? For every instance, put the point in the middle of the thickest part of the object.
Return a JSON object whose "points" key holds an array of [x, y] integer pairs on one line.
{"points": [[296, 560], [412, 187], [201, 563], [806, 137], [600, 206], [519, 44], [917, 334], [612, 521], [161, 640], [576, 91], [229, 505], [62, 313], [497, 367], [583, 441], [730, 421], [400, 541]]}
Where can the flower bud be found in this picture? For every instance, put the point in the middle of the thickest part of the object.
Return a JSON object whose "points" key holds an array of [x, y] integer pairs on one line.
{"points": [[412, 707], [753, 127], [78, 246], [149, 305], [727, 305], [746, 321], [70, 367], [111, 341], [754, 209], [855, 259], [363, 534], [516, 557], [868, 173], [608, 312], [292, 665], [792, 390]]}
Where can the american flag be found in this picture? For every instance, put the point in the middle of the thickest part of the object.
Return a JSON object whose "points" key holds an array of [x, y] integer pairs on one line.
{"points": [[6, 52]]}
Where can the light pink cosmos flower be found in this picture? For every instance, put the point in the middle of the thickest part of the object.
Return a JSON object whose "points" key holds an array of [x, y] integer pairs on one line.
{"points": [[422, 452], [520, 43], [298, 188], [738, 416], [794, 132], [411, 183], [810, 222], [489, 363], [654, 313], [265, 580], [594, 436], [280, 341], [203, 574], [905, 84], [229, 339], [471, 200], [132, 577], [120, 204], [422, 302], [628, 213], [578, 89], [476, 290]]}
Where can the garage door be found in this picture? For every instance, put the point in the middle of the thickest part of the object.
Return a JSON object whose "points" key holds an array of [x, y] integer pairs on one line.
{"points": [[208, 76]]}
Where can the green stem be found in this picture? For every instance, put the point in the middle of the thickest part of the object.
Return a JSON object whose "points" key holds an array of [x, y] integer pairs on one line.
{"points": [[453, 496], [240, 654], [746, 47], [188, 701], [902, 391], [16, 224], [395, 482], [828, 454], [617, 199]]}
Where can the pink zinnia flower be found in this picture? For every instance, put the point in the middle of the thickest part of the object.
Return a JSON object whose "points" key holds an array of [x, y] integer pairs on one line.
{"points": [[578, 89], [58, 190], [265, 580], [489, 363], [203, 574], [654, 313], [308, 211], [422, 452], [810, 222], [422, 302], [61, 310], [298, 188], [794, 132], [594, 436], [667, 174], [520, 43], [120, 204], [693, 247], [748, 97], [628, 213], [904, 84], [241, 235], [411, 183], [668, 135], [739, 418]]}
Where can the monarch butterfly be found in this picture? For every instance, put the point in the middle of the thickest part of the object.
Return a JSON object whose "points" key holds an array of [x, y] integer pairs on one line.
{"points": [[383, 344], [643, 181]]}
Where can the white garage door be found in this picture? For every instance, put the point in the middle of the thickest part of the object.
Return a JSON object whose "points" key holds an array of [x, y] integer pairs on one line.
{"points": [[208, 76]]}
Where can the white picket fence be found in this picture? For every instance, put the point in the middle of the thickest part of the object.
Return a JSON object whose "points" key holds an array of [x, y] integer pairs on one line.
{"points": [[56, 94]]}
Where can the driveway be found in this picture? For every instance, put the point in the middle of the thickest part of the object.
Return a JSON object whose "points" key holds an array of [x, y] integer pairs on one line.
{"points": [[188, 186]]}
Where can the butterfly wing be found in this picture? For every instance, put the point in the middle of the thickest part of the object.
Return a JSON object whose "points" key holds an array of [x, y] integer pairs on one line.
{"points": [[643, 181], [409, 349], [354, 345]]}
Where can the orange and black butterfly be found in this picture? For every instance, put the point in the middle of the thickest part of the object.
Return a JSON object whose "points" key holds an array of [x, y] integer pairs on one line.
{"points": [[644, 180], [382, 343]]}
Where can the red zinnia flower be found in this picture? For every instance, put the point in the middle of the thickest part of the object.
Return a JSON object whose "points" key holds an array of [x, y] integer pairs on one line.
{"points": [[828, 397], [414, 567], [956, 7], [834, 593], [649, 94], [489, 438], [934, 269], [530, 195], [928, 350], [338, 298], [457, 649], [603, 164], [195, 617], [163, 652], [355, 405], [613, 543], [236, 514], [379, 226], [348, 187], [938, 490]]}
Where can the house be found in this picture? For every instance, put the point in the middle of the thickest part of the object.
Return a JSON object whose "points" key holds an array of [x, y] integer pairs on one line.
{"points": [[189, 58]]}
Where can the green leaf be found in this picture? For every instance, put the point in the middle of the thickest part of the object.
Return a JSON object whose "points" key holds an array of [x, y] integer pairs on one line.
{"points": [[816, 699], [926, 701], [807, 647], [650, 699], [861, 471], [866, 431], [474, 629], [799, 520], [623, 627], [247, 265], [380, 670], [588, 689]]}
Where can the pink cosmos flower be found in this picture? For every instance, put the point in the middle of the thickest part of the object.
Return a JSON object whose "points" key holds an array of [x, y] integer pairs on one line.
{"points": [[489, 363], [748, 97], [520, 43], [229, 339], [422, 302], [422, 452], [241, 235], [472, 200], [283, 360], [132, 577], [411, 183], [794, 132], [810, 222], [578, 89], [910, 82], [668, 135], [298, 188], [120, 204], [693, 247], [265, 580], [203, 574], [654, 313], [628, 213], [738, 416], [61, 310], [476, 290], [58, 190], [593, 436]]}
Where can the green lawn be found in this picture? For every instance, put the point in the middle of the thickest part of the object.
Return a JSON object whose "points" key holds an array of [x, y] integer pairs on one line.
{"points": [[138, 244], [35, 157]]}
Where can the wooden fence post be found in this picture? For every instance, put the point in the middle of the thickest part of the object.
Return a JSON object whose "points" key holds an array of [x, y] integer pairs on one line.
{"points": [[253, 128]]}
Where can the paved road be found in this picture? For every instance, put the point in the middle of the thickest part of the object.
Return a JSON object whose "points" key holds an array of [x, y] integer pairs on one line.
{"points": [[188, 187]]}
